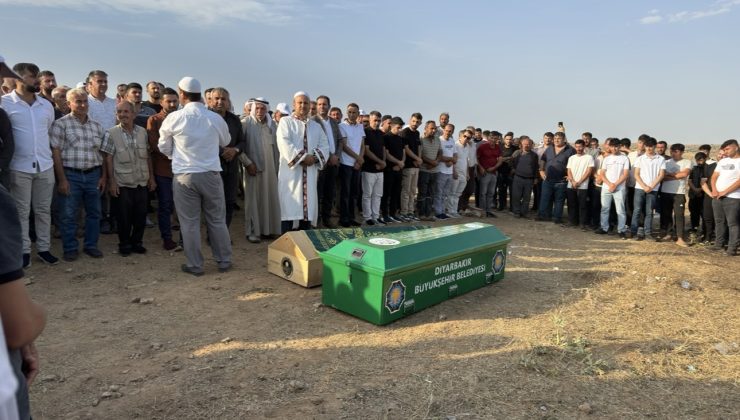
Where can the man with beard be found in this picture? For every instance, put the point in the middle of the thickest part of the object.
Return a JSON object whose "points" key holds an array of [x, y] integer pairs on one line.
{"points": [[351, 160], [162, 168], [153, 90], [372, 170], [553, 171], [524, 168], [260, 160], [303, 151], [412, 144], [230, 153], [129, 171], [328, 175], [503, 183], [32, 166], [430, 152], [48, 83], [395, 160]]}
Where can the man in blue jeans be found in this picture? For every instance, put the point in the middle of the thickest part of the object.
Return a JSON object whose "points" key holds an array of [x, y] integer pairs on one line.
{"points": [[614, 172], [554, 172], [75, 143], [649, 169]]}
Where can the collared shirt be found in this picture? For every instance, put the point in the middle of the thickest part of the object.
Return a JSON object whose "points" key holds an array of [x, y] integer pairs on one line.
{"points": [[191, 137], [103, 111], [614, 167], [430, 147], [30, 132], [326, 123], [555, 164], [161, 164], [488, 154], [78, 142]]}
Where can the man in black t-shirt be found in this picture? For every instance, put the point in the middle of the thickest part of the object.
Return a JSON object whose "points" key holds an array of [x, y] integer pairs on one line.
{"points": [[410, 177], [372, 171], [395, 161], [503, 185]]}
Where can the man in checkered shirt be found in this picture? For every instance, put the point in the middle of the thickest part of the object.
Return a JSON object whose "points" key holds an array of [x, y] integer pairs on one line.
{"points": [[75, 142]]}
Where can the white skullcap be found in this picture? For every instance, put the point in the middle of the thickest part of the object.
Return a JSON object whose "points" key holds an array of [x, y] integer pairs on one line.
{"points": [[362, 113], [80, 85], [189, 84], [301, 93], [283, 108]]}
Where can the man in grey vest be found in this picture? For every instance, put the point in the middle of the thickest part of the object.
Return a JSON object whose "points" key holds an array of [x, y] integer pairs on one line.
{"points": [[129, 172]]}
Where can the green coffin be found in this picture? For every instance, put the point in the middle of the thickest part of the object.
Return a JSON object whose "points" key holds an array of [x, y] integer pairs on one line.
{"points": [[387, 277]]}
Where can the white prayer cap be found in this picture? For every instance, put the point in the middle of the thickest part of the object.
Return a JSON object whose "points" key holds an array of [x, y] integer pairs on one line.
{"points": [[301, 93], [283, 108], [362, 113], [80, 85], [189, 84], [6, 71]]}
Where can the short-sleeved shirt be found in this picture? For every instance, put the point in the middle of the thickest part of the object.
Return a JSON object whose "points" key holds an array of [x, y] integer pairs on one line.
{"points": [[448, 150], [465, 153], [675, 186], [429, 149], [354, 133], [488, 154], [729, 172], [411, 139], [394, 145], [614, 166], [556, 163], [78, 142], [632, 156], [373, 141], [578, 165], [650, 167]]}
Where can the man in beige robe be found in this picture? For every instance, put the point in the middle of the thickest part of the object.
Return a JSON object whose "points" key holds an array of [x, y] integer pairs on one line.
{"points": [[260, 160]]}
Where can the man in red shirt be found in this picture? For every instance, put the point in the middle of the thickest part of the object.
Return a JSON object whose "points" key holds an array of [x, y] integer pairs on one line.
{"points": [[488, 155]]}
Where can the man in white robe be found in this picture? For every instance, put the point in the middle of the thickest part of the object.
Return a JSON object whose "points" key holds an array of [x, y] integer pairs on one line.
{"points": [[260, 160], [304, 149]]}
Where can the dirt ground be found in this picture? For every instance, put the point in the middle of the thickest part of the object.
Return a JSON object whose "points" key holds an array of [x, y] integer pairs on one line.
{"points": [[581, 326]]}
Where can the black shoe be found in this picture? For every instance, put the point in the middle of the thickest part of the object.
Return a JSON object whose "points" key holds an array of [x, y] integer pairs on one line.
{"points": [[345, 224], [70, 256], [93, 252], [105, 227], [370, 222], [124, 251], [355, 223], [191, 270], [382, 221], [490, 214], [224, 267], [443, 216], [600, 232], [48, 258], [640, 237], [26, 260], [138, 249], [622, 235]]}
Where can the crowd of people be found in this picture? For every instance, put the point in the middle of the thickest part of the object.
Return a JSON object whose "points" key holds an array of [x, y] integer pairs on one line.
{"points": [[74, 154]]}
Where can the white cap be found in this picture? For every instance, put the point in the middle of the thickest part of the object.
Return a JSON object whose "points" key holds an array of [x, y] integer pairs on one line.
{"points": [[301, 93], [283, 108], [80, 85], [362, 113], [189, 84]]}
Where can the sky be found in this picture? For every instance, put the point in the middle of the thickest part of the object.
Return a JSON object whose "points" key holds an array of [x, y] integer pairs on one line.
{"points": [[618, 69]]}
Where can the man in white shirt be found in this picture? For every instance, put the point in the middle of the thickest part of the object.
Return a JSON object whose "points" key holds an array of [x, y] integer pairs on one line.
{"points": [[673, 195], [465, 152], [351, 159], [649, 170], [444, 176], [726, 193], [32, 167], [579, 169], [614, 171], [191, 137], [102, 109]]}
